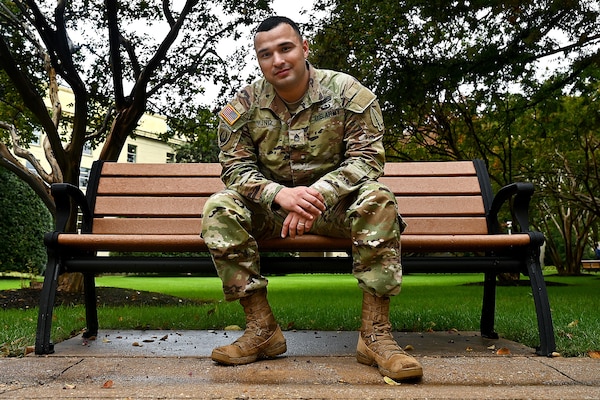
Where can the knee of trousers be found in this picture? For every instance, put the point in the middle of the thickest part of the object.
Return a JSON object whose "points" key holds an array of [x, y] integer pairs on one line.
{"points": [[224, 212], [375, 205]]}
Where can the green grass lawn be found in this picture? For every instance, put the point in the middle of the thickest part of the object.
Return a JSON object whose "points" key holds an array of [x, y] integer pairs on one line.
{"points": [[332, 302]]}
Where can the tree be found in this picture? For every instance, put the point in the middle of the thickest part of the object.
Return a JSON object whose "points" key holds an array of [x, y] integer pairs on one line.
{"points": [[462, 80], [108, 55], [423, 58], [202, 138]]}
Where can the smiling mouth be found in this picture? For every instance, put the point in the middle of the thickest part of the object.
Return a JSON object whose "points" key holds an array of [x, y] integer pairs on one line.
{"points": [[282, 72]]}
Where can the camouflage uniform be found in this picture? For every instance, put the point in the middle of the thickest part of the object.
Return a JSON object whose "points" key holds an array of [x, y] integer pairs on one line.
{"points": [[331, 143]]}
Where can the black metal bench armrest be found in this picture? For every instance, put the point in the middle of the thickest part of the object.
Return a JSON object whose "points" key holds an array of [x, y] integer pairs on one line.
{"points": [[521, 193], [65, 196]]}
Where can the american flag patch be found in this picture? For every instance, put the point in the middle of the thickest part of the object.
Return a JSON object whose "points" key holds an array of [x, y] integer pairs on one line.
{"points": [[229, 114]]}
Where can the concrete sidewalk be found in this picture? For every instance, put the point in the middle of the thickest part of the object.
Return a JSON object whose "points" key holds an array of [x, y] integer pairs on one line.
{"points": [[318, 365]]}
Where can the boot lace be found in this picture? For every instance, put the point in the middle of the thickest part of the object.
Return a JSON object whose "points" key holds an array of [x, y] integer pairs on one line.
{"points": [[381, 341]]}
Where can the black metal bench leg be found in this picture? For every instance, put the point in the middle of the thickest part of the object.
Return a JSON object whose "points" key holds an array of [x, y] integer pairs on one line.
{"points": [[91, 310], [542, 305], [488, 308], [43, 344]]}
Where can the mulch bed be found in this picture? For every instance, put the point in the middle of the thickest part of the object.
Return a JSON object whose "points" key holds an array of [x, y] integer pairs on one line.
{"points": [[107, 296]]}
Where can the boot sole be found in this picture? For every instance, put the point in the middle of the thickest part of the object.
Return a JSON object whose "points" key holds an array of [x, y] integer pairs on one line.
{"points": [[271, 350], [415, 373]]}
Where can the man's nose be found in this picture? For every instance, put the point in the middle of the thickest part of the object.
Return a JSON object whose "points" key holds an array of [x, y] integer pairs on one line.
{"points": [[278, 58]]}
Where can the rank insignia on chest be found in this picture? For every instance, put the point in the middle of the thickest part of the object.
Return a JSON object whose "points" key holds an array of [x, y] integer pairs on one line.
{"points": [[229, 114]]}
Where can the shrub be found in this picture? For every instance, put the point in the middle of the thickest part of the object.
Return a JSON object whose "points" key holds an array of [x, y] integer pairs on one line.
{"points": [[23, 221]]}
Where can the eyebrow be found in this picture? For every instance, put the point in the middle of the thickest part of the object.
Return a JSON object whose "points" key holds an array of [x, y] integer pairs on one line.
{"points": [[282, 44]]}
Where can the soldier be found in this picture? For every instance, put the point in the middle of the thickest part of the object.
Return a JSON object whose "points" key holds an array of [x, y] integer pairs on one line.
{"points": [[301, 151]]}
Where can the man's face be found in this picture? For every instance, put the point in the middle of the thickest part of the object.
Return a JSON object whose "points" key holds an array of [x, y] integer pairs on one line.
{"points": [[281, 56]]}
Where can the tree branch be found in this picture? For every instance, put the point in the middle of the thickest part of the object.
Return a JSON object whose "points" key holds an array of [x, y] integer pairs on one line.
{"points": [[168, 14], [28, 93], [8, 161], [163, 49], [115, 56], [135, 64]]}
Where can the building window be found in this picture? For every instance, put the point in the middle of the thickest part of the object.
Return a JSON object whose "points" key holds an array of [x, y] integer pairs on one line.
{"points": [[170, 158], [84, 177], [87, 149], [36, 140], [131, 153]]}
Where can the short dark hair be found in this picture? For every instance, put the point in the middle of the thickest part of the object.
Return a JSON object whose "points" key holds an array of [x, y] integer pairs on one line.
{"points": [[275, 21]]}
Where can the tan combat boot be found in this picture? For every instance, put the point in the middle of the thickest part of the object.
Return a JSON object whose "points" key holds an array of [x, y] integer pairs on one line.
{"points": [[377, 346], [262, 339]]}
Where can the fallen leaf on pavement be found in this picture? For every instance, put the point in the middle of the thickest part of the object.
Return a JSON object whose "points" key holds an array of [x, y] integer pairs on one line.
{"points": [[233, 328], [108, 384], [390, 381], [594, 354], [503, 351]]}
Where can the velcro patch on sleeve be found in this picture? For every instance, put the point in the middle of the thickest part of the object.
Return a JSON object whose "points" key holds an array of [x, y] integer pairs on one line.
{"points": [[229, 114]]}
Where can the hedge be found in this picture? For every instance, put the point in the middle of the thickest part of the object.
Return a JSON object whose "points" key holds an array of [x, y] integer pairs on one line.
{"points": [[23, 221]]}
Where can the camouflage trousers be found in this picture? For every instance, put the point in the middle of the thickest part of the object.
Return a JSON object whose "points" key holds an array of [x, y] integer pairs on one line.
{"points": [[232, 225]]}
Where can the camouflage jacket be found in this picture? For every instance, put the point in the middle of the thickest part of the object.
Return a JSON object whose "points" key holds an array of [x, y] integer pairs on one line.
{"points": [[333, 142]]}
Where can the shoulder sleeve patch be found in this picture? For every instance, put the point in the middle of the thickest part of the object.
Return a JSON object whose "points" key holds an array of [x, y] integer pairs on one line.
{"points": [[229, 114], [361, 99]]}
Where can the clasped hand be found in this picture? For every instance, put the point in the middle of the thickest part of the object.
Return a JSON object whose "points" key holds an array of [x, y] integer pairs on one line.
{"points": [[304, 205]]}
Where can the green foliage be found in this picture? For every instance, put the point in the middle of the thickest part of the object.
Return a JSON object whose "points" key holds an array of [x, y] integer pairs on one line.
{"points": [[423, 58], [463, 80], [23, 221], [201, 137]]}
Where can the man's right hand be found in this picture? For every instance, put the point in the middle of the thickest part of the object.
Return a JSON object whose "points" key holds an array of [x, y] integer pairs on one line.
{"points": [[304, 202]]}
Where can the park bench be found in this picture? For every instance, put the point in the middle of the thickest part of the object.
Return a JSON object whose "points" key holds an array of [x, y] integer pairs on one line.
{"points": [[590, 265], [452, 216]]}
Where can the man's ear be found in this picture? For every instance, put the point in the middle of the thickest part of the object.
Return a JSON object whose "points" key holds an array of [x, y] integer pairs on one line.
{"points": [[305, 48]]}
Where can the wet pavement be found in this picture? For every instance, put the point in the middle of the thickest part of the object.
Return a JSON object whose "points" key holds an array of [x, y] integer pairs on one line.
{"points": [[318, 365]]}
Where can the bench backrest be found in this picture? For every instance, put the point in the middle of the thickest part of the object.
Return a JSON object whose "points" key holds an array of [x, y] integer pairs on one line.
{"points": [[435, 198]]}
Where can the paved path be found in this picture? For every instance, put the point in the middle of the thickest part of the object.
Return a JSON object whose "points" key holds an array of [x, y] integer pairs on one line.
{"points": [[318, 365]]}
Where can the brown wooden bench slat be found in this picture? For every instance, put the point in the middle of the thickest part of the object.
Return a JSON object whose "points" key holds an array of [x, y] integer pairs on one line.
{"points": [[149, 226], [440, 205], [168, 186], [590, 265], [207, 185], [149, 206], [434, 206], [192, 226], [445, 226], [449, 207], [430, 168], [157, 170], [168, 243]]}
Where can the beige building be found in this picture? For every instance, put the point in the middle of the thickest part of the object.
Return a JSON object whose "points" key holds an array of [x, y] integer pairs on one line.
{"points": [[145, 148]]}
